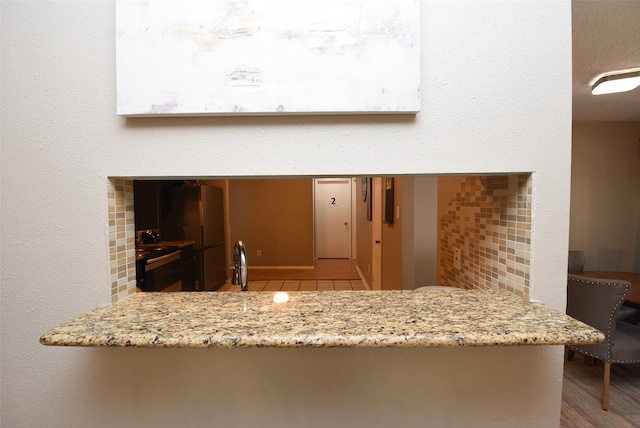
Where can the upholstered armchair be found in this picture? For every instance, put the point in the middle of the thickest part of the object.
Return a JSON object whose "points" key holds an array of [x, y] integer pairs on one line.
{"points": [[596, 302]]}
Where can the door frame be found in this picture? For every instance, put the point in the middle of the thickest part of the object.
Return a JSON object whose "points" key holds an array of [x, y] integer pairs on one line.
{"points": [[376, 234], [352, 205]]}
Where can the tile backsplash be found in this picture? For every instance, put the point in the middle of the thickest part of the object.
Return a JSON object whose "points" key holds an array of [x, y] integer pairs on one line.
{"points": [[122, 246], [489, 219]]}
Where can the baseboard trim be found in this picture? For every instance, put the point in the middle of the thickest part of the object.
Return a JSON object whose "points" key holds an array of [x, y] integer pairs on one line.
{"points": [[364, 281]]}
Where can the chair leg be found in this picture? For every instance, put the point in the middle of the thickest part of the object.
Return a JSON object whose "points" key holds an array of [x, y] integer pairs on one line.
{"points": [[605, 386]]}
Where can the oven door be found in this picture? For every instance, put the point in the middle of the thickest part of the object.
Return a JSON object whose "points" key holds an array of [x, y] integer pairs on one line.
{"points": [[163, 273]]}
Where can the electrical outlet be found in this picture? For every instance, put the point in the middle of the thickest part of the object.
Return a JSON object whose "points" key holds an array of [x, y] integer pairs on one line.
{"points": [[259, 252], [456, 258]]}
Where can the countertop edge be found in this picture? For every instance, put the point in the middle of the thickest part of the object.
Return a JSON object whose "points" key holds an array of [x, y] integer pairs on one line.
{"points": [[393, 319], [52, 340]]}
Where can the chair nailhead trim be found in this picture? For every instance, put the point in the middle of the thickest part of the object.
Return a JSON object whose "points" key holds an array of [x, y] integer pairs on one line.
{"points": [[612, 316]]}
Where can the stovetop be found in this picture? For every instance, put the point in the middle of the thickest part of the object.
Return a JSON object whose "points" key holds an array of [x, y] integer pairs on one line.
{"points": [[149, 252]]}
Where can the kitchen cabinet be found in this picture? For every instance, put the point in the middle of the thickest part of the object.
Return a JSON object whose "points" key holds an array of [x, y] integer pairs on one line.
{"points": [[152, 201], [146, 204]]}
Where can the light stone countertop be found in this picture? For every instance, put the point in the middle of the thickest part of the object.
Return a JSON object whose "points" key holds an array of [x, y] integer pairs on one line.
{"points": [[434, 318]]}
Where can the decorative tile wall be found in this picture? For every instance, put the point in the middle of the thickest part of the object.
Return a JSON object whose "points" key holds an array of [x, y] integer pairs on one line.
{"points": [[122, 245], [489, 220]]}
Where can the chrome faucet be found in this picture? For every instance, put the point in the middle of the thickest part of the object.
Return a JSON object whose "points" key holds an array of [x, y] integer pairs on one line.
{"points": [[240, 270]]}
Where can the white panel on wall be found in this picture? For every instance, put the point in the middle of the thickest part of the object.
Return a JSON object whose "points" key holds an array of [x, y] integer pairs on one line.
{"points": [[259, 57]]}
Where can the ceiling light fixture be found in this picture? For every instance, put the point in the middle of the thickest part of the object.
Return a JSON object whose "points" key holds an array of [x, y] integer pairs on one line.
{"points": [[617, 81]]}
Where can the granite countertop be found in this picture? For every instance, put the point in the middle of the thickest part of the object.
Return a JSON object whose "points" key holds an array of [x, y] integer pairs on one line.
{"points": [[434, 318]]}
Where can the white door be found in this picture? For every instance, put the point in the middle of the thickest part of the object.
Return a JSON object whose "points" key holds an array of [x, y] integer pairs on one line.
{"points": [[333, 218]]}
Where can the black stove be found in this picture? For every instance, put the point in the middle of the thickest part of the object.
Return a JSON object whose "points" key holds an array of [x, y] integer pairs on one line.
{"points": [[149, 252], [159, 268]]}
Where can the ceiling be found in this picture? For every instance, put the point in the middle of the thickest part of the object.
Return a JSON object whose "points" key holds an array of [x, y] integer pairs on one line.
{"points": [[606, 37]]}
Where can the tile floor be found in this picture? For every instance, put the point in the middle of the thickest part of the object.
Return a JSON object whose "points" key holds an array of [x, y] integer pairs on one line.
{"points": [[327, 274], [299, 285]]}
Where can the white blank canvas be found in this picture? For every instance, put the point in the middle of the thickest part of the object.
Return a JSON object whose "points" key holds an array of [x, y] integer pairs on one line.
{"points": [[264, 57]]}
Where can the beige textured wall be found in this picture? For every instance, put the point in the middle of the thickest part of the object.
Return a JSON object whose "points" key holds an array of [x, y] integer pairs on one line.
{"points": [[605, 194], [61, 141], [274, 216]]}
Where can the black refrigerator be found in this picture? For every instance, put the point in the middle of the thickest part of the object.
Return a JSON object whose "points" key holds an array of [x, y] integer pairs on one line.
{"points": [[196, 213]]}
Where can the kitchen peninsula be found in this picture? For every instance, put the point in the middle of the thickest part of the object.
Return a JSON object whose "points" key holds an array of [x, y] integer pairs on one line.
{"points": [[323, 319]]}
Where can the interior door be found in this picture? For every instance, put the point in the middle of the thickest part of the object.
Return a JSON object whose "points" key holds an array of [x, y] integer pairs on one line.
{"points": [[332, 209]]}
